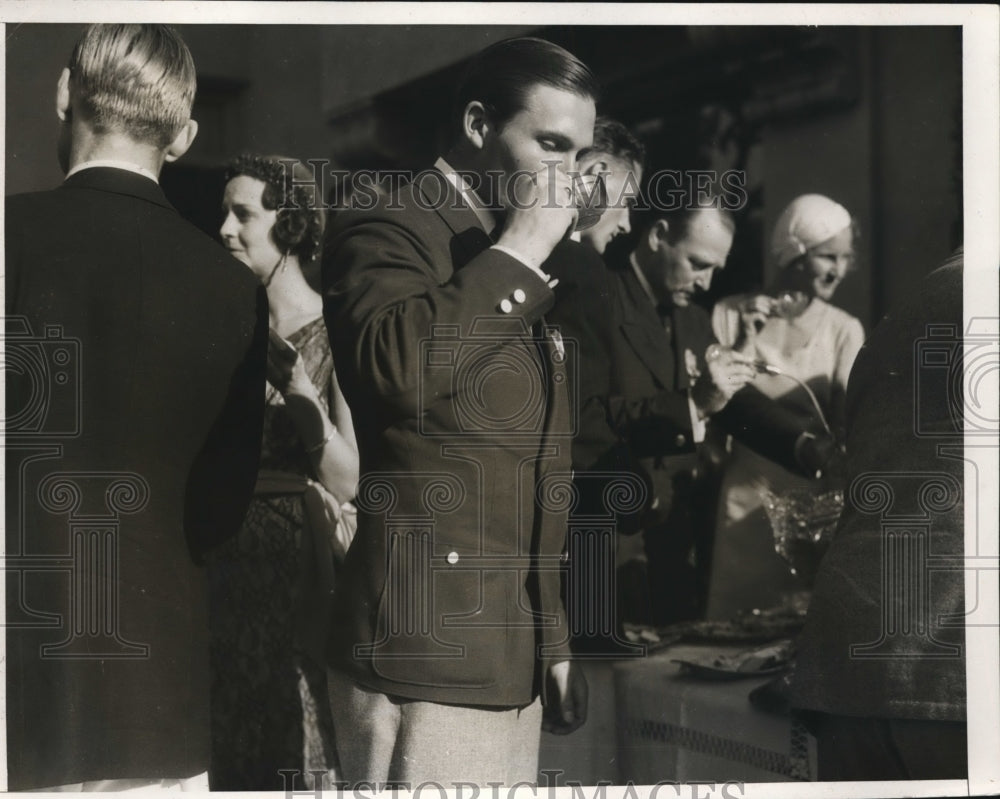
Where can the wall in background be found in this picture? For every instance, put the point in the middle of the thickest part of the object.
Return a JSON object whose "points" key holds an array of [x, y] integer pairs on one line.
{"points": [[360, 61], [917, 135], [36, 55], [260, 88], [894, 161], [891, 155], [829, 154]]}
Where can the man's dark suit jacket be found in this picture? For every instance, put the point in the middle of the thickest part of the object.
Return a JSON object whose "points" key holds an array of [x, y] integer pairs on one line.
{"points": [[450, 591], [634, 414], [885, 631], [136, 352]]}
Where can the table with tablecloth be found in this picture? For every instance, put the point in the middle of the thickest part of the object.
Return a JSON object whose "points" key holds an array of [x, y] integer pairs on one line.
{"points": [[669, 726]]}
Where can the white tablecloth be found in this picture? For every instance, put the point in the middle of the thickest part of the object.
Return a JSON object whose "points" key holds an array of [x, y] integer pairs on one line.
{"points": [[647, 724], [674, 727]]}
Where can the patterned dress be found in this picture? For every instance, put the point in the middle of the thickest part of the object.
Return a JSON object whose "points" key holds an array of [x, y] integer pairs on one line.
{"points": [[270, 710]]}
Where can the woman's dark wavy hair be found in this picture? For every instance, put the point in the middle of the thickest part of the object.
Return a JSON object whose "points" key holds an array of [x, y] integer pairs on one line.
{"points": [[290, 189], [502, 76]]}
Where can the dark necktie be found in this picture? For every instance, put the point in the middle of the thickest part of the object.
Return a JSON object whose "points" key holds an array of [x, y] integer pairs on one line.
{"points": [[665, 312]]}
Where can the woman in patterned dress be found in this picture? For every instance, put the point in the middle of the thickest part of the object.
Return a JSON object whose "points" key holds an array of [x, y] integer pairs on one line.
{"points": [[271, 584]]}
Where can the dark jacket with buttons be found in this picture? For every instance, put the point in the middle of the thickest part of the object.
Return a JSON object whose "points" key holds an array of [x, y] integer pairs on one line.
{"points": [[450, 591], [632, 408], [634, 379]]}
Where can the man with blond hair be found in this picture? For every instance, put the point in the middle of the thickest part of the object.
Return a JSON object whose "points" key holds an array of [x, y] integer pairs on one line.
{"points": [[135, 450]]}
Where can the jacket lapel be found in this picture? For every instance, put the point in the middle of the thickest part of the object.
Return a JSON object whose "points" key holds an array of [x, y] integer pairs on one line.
{"points": [[642, 329], [470, 238]]}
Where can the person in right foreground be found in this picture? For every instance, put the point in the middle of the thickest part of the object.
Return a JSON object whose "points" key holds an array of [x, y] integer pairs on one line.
{"points": [[881, 663], [794, 328]]}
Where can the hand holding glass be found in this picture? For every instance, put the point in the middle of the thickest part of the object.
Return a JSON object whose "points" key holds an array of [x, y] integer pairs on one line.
{"points": [[590, 196]]}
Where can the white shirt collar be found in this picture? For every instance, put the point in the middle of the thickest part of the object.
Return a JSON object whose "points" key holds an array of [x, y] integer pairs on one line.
{"points": [[110, 162], [486, 217], [642, 280]]}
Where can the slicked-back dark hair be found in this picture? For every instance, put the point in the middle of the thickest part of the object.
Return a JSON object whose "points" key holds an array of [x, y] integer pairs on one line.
{"points": [[502, 76], [612, 138]]}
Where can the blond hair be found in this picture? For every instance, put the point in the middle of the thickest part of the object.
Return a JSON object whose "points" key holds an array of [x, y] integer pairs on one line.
{"points": [[134, 79]]}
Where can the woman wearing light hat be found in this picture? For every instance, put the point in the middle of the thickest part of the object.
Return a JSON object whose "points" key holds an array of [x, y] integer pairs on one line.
{"points": [[800, 336]]}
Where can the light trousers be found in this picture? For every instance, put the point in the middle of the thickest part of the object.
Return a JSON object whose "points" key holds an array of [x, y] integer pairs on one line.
{"points": [[381, 738], [197, 783]]}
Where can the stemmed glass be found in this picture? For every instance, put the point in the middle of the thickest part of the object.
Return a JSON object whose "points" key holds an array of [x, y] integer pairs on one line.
{"points": [[803, 522], [591, 198]]}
